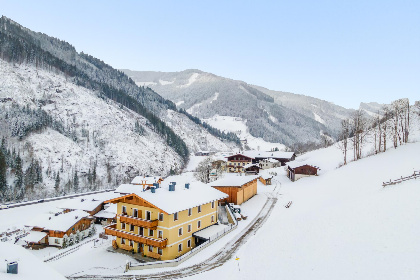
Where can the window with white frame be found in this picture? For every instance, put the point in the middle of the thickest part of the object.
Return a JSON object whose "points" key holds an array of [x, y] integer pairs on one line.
{"points": [[179, 231], [161, 217], [189, 228], [135, 213], [199, 224], [124, 210], [131, 227], [180, 248], [199, 208], [122, 225], [212, 204], [160, 234], [150, 232], [212, 219], [160, 252], [148, 215], [57, 241], [122, 241], [189, 212], [150, 248], [176, 216]]}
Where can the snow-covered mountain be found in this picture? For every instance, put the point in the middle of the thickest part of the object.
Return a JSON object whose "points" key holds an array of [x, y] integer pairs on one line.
{"points": [[275, 116], [83, 121]]}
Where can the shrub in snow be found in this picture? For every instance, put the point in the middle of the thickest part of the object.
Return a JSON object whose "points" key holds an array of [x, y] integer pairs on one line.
{"points": [[78, 236], [65, 241]]}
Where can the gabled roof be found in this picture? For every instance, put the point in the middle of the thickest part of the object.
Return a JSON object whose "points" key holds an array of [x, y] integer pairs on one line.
{"points": [[173, 201], [233, 181], [242, 155], [295, 164], [61, 222]]}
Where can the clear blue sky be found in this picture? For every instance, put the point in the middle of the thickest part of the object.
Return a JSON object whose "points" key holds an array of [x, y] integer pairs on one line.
{"points": [[346, 52]]}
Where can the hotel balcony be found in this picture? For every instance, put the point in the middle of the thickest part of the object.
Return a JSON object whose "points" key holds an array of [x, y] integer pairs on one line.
{"points": [[112, 230], [138, 222]]}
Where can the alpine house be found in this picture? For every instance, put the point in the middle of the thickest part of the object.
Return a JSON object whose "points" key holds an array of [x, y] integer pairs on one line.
{"points": [[159, 221]]}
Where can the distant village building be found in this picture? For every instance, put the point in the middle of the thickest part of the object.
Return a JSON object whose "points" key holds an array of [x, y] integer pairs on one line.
{"points": [[219, 164], [239, 188], [269, 163], [160, 222], [282, 157], [251, 169], [236, 163], [299, 170]]}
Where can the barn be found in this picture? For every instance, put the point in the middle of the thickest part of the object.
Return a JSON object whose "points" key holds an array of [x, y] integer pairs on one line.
{"points": [[239, 188]]}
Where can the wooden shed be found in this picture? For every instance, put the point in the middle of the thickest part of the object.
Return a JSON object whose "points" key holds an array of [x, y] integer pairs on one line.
{"points": [[299, 170], [239, 188]]}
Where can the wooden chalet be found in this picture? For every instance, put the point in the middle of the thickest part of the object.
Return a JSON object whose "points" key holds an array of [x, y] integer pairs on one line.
{"points": [[91, 206], [299, 170], [239, 188], [58, 225]]}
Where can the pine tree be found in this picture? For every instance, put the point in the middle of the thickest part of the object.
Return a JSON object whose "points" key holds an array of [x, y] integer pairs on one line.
{"points": [[18, 172], [3, 169], [57, 182], [76, 182]]}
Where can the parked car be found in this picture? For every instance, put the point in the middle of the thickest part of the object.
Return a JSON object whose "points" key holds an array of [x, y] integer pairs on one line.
{"points": [[41, 200], [4, 207]]}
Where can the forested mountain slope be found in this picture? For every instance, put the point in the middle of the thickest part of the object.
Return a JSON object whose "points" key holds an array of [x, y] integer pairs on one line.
{"points": [[69, 122], [206, 95]]}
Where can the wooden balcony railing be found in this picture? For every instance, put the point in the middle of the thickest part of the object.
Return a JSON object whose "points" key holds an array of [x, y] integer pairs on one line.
{"points": [[112, 230], [138, 222]]}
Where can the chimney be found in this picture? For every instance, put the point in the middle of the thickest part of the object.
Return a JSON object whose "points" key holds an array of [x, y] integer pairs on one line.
{"points": [[187, 185], [153, 190], [156, 185]]}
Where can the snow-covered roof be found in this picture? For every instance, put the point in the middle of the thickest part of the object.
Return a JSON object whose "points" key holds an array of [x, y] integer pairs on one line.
{"points": [[250, 164], [266, 176], [105, 214], [272, 160], [34, 236], [233, 181], [261, 154], [81, 204], [294, 164], [108, 213], [60, 222], [145, 180], [178, 200]]}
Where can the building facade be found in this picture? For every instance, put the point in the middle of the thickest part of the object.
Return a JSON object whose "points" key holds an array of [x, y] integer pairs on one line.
{"points": [[236, 163], [155, 227]]}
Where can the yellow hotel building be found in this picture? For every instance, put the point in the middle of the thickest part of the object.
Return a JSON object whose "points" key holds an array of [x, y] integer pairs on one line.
{"points": [[159, 222]]}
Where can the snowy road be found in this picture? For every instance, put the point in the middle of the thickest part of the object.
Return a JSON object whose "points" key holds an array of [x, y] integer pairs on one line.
{"points": [[214, 261]]}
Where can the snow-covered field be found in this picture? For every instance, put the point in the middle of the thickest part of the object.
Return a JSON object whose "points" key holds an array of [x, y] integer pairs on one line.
{"points": [[238, 126]]}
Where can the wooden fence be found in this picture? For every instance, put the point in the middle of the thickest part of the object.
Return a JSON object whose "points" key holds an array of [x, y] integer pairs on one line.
{"points": [[415, 175]]}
